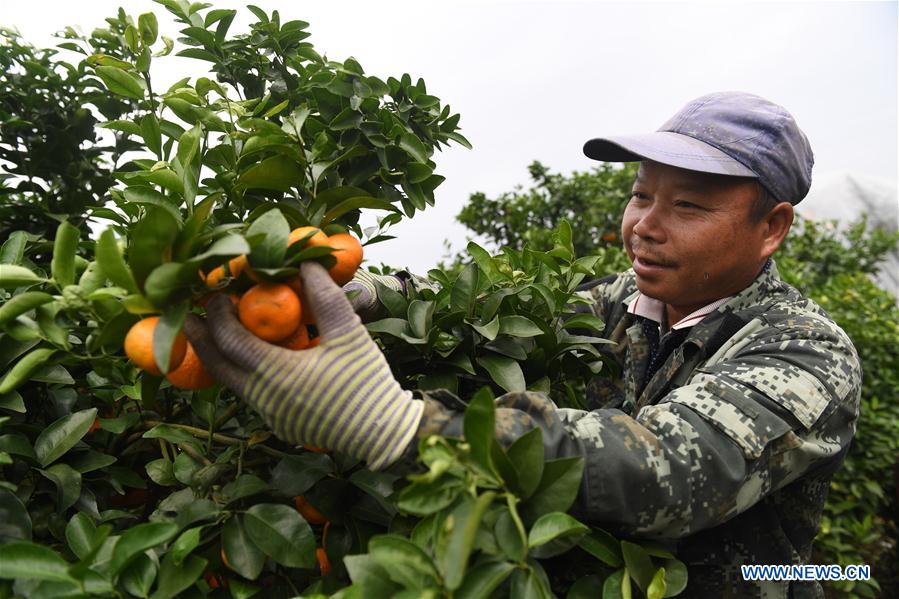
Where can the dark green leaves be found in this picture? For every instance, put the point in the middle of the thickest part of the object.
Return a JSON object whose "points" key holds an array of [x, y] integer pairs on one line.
{"points": [[12, 276], [31, 561], [505, 371], [243, 555], [121, 82], [62, 435], [557, 490], [404, 561], [139, 538], [15, 523], [281, 533], [63, 264], [479, 428], [274, 230], [109, 256], [278, 173]]}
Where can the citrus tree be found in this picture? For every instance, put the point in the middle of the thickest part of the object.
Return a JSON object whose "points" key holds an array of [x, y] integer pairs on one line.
{"points": [[126, 471]]}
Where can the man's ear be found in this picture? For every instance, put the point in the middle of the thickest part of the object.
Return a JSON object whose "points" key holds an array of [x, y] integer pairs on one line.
{"points": [[776, 224]]}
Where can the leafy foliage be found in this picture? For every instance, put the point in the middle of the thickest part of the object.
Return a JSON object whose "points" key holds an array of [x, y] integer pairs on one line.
{"points": [[831, 265], [115, 483], [594, 200]]}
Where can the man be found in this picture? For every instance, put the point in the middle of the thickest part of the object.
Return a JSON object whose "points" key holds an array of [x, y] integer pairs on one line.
{"points": [[738, 397]]}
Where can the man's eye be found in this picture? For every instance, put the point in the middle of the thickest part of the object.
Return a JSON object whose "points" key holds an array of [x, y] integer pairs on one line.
{"points": [[683, 204], [638, 195]]}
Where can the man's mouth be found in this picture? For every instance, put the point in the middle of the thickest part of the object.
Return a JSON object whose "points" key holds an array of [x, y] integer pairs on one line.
{"points": [[652, 261]]}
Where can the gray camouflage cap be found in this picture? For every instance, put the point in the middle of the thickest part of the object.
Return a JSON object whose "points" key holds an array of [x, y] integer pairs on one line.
{"points": [[728, 133]]}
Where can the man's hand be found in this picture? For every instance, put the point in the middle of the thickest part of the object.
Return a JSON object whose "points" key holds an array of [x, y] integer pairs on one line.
{"points": [[339, 395]]}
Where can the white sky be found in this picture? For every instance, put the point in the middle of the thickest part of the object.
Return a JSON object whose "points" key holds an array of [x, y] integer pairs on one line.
{"points": [[534, 80]]}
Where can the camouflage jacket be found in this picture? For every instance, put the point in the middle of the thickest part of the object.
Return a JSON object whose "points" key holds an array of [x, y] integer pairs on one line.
{"points": [[727, 451]]}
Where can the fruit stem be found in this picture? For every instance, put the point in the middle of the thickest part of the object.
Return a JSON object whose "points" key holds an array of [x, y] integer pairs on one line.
{"points": [[217, 437]]}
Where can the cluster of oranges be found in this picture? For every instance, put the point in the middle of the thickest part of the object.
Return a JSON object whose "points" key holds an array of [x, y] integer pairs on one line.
{"points": [[274, 311]]}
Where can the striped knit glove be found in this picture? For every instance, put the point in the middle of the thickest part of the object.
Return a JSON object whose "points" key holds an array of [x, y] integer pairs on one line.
{"points": [[339, 395], [365, 301]]}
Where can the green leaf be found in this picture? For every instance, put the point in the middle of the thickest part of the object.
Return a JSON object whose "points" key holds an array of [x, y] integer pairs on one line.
{"points": [[12, 276], [149, 28], [24, 560], [13, 402], [395, 302], [123, 126], [189, 146], [151, 241], [138, 539], [22, 303], [526, 584], [657, 587], [489, 330], [13, 249], [149, 130], [167, 329], [458, 538], [274, 228], [404, 561], [346, 119], [509, 537], [15, 522], [111, 262], [278, 173], [584, 321], [518, 326], [122, 82], [478, 425], [557, 490], [371, 579], [526, 455], [586, 587], [138, 576], [243, 556], [419, 315], [174, 578], [603, 547], [504, 371], [617, 585], [160, 472], [62, 266], [483, 579], [675, 577], [280, 532], [62, 435], [296, 474], [355, 204], [68, 484], [464, 289], [24, 368], [80, 533], [186, 542], [639, 564], [413, 146], [554, 533], [145, 196]]}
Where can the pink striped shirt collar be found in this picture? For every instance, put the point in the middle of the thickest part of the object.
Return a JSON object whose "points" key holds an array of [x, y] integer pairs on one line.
{"points": [[653, 309]]}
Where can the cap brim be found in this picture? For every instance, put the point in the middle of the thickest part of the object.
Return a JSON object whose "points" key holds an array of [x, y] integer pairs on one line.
{"points": [[665, 147]]}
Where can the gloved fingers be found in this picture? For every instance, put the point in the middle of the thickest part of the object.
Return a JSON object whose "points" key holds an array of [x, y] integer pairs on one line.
{"points": [[215, 363], [359, 296], [233, 339], [333, 312]]}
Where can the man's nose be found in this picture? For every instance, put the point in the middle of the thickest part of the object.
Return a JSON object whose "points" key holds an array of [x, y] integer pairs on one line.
{"points": [[650, 225]]}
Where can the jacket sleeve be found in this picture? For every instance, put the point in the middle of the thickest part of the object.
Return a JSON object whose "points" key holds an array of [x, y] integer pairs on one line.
{"points": [[781, 405]]}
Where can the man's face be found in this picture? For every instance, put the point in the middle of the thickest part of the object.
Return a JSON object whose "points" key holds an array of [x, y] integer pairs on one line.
{"points": [[689, 236]]}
